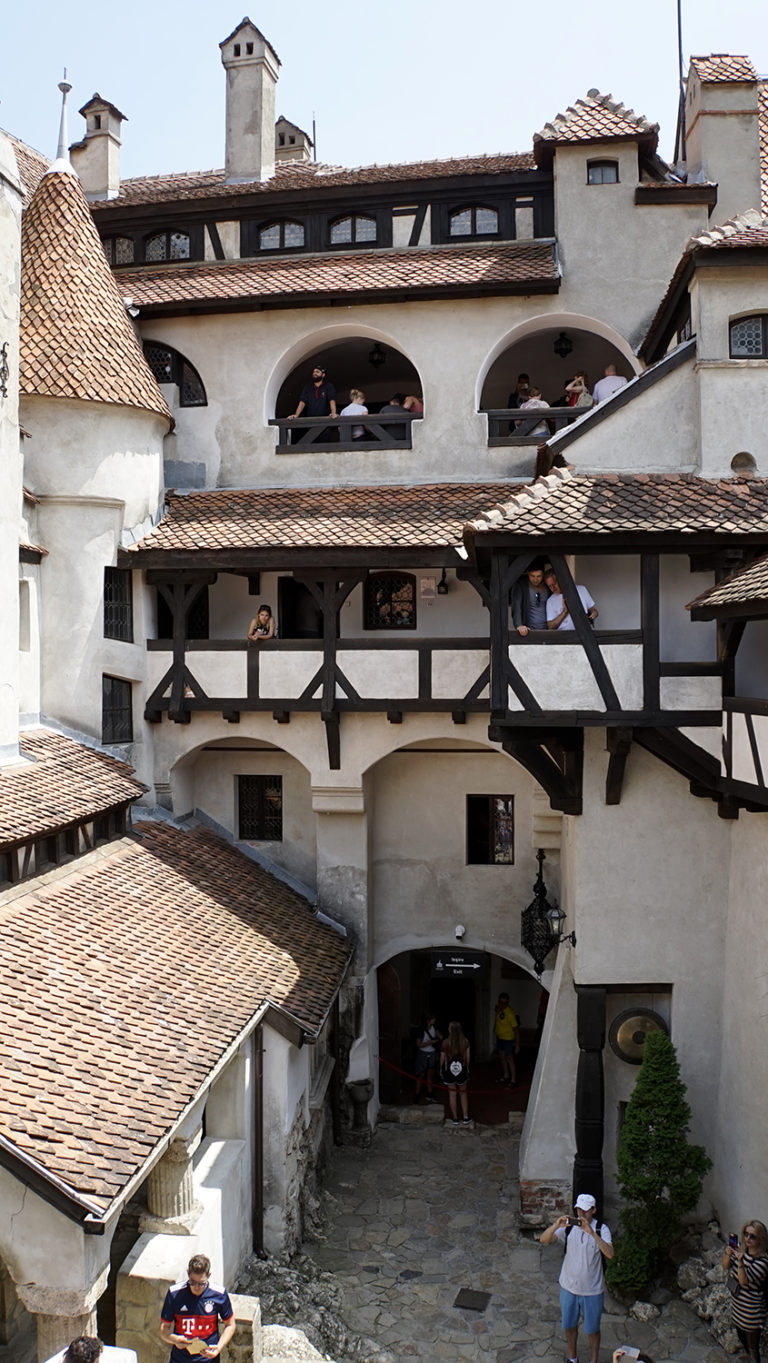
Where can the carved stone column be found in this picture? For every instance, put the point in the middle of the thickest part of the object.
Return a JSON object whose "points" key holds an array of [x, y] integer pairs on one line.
{"points": [[171, 1205], [56, 1332]]}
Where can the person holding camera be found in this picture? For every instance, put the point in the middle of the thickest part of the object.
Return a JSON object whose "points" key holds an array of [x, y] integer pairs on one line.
{"points": [[582, 1281], [746, 1263]]}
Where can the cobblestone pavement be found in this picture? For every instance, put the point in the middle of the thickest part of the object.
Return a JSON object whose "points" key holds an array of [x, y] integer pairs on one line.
{"points": [[427, 1210]]}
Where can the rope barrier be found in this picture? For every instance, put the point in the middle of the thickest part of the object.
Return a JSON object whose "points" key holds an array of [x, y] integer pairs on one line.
{"points": [[496, 1092]]}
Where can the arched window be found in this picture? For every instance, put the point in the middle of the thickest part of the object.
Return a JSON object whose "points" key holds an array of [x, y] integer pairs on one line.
{"points": [[281, 236], [476, 221], [602, 172], [354, 228], [168, 245], [389, 601], [118, 250], [169, 366], [749, 338]]}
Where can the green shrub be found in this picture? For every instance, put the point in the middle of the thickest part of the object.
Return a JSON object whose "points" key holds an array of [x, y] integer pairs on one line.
{"points": [[660, 1172]]}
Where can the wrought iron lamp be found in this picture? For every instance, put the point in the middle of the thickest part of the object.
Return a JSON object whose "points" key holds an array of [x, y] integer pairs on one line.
{"points": [[556, 919], [541, 924], [377, 355], [563, 345]]}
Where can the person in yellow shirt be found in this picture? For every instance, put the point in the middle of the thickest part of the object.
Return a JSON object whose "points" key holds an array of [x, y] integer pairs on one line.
{"points": [[506, 1028]]}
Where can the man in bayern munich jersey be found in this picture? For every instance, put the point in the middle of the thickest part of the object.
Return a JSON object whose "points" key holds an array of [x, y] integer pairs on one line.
{"points": [[191, 1313]]}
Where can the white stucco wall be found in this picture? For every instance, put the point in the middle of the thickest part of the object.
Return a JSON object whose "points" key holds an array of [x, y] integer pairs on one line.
{"points": [[737, 1143], [93, 449], [732, 392]]}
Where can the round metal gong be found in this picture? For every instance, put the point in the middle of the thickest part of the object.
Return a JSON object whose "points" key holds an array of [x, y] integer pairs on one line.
{"points": [[628, 1032]]}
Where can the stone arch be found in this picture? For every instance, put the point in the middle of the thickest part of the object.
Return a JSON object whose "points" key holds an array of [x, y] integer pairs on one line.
{"points": [[350, 343], [594, 343]]}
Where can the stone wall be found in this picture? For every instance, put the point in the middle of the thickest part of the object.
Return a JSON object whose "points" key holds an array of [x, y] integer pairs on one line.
{"points": [[542, 1203], [18, 1332]]}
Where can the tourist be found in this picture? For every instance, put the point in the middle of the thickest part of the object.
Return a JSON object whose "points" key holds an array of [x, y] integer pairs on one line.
{"points": [[355, 407], [318, 398], [263, 626], [609, 384], [534, 402], [746, 1263], [582, 1281], [413, 405], [427, 1045], [558, 614], [89, 1349], [395, 405], [454, 1071], [506, 1029], [578, 390], [529, 600], [521, 391], [192, 1310]]}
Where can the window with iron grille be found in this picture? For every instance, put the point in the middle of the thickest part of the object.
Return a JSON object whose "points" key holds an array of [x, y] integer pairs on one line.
{"points": [[749, 338], [168, 245], [602, 172], [118, 604], [357, 227], [281, 236], [389, 601], [490, 830], [260, 808], [118, 250], [170, 366], [476, 221], [116, 710]]}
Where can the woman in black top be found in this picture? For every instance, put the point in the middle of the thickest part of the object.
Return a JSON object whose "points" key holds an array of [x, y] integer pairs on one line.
{"points": [[454, 1069]]}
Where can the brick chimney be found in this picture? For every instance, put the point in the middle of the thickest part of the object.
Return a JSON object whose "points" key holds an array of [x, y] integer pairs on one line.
{"points": [[252, 68], [97, 158]]}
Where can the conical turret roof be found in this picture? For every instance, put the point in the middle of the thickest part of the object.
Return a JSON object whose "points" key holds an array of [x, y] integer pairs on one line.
{"points": [[76, 339]]}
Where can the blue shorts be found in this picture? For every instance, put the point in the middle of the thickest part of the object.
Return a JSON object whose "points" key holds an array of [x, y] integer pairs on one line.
{"points": [[508, 1047], [591, 1309]]}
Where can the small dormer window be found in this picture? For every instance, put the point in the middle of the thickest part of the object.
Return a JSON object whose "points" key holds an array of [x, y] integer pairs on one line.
{"points": [[355, 228], [97, 121], [749, 338], [249, 49], [281, 236], [602, 172], [237, 49], [476, 221], [167, 246], [118, 250]]}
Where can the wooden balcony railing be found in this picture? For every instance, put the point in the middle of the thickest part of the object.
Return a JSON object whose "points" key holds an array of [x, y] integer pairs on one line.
{"points": [[325, 434], [510, 426]]}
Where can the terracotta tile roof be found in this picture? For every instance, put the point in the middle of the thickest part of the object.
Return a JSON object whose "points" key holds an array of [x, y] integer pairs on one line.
{"points": [[205, 184], [762, 106], [32, 166], [109, 1034], [64, 783], [598, 118], [747, 586], [33, 548], [632, 503], [428, 515], [719, 66], [448, 267], [76, 339]]}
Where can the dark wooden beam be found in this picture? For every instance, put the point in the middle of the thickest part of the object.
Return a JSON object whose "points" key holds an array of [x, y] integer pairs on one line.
{"points": [[585, 633], [557, 767], [649, 613], [678, 752], [619, 743], [333, 739]]}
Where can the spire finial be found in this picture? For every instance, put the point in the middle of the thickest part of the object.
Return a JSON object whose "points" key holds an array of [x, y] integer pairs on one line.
{"points": [[62, 153]]}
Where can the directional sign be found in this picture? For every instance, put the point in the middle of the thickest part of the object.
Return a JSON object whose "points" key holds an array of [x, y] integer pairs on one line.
{"points": [[452, 964]]}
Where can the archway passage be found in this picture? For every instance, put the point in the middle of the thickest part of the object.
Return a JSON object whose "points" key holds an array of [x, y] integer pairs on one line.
{"points": [[550, 368], [410, 988], [374, 367]]}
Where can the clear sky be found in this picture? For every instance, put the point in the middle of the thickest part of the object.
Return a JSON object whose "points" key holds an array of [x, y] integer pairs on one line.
{"points": [[397, 81]]}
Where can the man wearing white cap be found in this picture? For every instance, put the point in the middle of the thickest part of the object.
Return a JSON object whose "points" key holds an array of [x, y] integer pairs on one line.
{"points": [[582, 1282]]}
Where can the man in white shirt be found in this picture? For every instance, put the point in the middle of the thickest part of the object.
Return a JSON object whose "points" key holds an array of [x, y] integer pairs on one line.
{"points": [[558, 614], [612, 381], [582, 1282]]}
